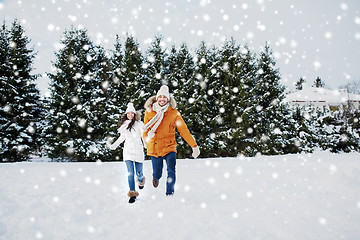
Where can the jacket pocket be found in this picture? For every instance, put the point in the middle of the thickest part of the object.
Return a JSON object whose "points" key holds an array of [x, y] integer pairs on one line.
{"points": [[170, 143]]}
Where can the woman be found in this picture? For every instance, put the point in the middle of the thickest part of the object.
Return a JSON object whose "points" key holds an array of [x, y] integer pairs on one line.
{"points": [[130, 128]]}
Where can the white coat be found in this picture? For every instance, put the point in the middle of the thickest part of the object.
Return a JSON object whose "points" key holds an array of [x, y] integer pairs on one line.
{"points": [[133, 146]]}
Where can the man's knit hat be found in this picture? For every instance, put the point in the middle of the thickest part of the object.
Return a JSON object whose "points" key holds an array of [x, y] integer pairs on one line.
{"points": [[164, 90], [130, 108]]}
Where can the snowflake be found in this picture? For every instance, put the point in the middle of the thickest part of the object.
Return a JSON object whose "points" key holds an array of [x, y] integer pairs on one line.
{"points": [[89, 58], [105, 84], [344, 6], [166, 21], [151, 59], [7, 108], [13, 44], [206, 17], [69, 150], [75, 100], [328, 35], [322, 221], [88, 211], [158, 76], [39, 235], [317, 64], [249, 194], [277, 131]]}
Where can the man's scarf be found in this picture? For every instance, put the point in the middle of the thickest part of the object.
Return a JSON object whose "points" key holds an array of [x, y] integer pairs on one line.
{"points": [[156, 120]]}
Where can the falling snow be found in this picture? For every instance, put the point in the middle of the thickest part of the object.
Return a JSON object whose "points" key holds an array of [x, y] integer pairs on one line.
{"points": [[307, 41], [304, 196]]}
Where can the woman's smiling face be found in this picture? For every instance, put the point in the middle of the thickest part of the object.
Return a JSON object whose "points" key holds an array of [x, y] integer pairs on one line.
{"points": [[130, 115]]}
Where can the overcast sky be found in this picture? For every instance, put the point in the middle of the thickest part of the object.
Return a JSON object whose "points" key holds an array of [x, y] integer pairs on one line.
{"points": [[309, 38]]}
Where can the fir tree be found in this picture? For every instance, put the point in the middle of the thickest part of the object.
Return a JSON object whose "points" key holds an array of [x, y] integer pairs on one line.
{"points": [[299, 83], [207, 103], [185, 92], [239, 72], [353, 122], [319, 83], [133, 74], [156, 64], [270, 126], [127, 85], [172, 71], [339, 130], [20, 104], [77, 113], [227, 102], [301, 126], [116, 96]]}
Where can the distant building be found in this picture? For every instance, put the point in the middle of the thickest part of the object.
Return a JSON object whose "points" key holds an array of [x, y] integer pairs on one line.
{"points": [[321, 97]]}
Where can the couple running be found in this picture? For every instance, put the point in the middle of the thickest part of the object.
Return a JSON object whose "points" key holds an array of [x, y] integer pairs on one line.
{"points": [[157, 134]]}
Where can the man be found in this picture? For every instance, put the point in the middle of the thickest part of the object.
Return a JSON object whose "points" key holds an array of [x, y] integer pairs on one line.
{"points": [[161, 118]]}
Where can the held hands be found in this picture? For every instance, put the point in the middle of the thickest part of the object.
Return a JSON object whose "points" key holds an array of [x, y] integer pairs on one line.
{"points": [[196, 151]]}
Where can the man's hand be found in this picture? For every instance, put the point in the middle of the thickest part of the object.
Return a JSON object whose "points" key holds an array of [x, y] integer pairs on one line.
{"points": [[196, 151]]}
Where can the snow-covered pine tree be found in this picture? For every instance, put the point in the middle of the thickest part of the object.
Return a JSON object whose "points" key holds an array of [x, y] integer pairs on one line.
{"points": [[340, 133], [185, 91], [155, 67], [100, 100], [269, 116], [322, 123], [353, 121], [133, 75], [302, 129], [116, 97], [20, 104], [320, 127], [228, 62], [127, 85], [318, 83], [207, 102], [299, 83], [7, 149], [173, 71], [77, 114], [237, 74]]}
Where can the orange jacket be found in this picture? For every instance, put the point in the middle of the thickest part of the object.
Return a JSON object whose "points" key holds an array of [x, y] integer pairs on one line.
{"points": [[164, 140]]}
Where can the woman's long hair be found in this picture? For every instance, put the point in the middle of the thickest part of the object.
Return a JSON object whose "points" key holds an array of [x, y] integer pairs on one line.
{"points": [[124, 118]]}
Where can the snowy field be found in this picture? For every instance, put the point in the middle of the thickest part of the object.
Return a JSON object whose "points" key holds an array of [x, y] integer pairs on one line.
{"points": [[304, 196]]}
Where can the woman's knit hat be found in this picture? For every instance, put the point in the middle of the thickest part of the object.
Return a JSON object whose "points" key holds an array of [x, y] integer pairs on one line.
{"points": [[164, 90], [130, 108]]}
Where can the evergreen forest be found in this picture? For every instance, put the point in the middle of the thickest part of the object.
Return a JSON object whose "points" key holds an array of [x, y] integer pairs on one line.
{"points": [[230, 97]]}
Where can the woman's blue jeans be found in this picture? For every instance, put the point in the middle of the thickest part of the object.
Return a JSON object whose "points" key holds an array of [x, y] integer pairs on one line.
{"points": [[131, 172], [157, 165]]}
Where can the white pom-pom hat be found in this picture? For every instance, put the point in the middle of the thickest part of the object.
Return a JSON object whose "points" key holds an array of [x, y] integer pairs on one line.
{"points": [[130, 108], [164, 90]]}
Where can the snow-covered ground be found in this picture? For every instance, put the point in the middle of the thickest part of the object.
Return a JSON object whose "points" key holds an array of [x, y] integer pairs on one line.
{"points": [[304, 196]]}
